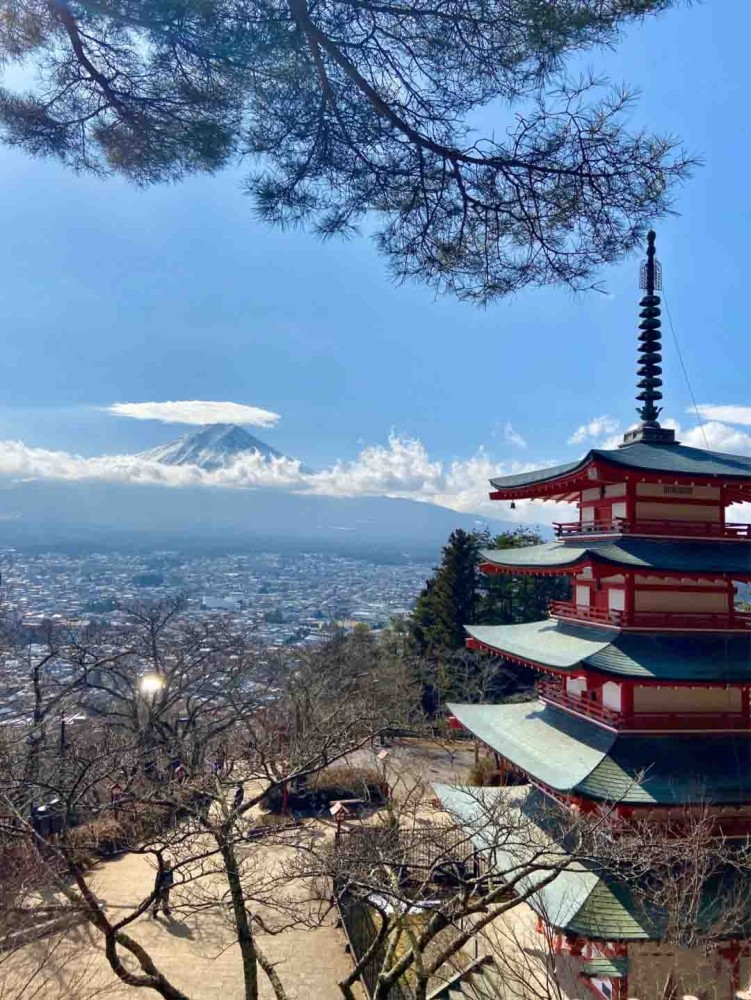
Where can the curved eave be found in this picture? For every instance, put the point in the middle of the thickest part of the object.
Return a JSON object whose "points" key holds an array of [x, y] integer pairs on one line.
{"points": [[579, 900], [558, 481], [573, 651], [666, 463], [574, 757], [573, 568], [642, 556]]}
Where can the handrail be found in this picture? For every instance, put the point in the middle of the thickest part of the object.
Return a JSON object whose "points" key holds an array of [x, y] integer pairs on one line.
{"points": [[567, 609], [652, 619], [651, 526], [678, 720], [583, 706]]}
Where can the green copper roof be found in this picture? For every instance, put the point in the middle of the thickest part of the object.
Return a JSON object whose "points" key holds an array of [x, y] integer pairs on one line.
{"points": [[632, 553], [607, 968], [537, 476], [693, 656], [707, 656], [546, 642], [578, 900], [672, 459], [574, 755], [558, 749], [514, 827]]}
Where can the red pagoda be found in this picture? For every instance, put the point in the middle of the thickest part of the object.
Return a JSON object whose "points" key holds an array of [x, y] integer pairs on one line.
{"points": [[645, 671]]}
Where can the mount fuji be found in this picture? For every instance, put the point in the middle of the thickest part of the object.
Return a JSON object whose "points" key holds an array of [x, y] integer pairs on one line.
{"points": [[214, 447], [41, 513]]}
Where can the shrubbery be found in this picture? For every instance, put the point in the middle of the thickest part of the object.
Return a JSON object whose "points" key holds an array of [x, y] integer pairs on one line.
{"points": [[329, 786]]}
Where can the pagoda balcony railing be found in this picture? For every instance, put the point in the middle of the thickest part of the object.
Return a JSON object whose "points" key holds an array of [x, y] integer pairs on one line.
{"points": [[554, 694], [583, 612], [580, 704], [651, 619], [626, 526]]}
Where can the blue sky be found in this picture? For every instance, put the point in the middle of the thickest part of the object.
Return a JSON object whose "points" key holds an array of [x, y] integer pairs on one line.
{"points": [[114, 294]]}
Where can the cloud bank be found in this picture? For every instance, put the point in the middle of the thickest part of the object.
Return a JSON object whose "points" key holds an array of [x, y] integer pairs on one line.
{"points": [[714, 435], [731, 413], [196, 412], [594, 429], [401, 468]]}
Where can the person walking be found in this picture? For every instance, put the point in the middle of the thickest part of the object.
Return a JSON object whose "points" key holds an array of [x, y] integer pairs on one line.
{"points": [[165, 879]]}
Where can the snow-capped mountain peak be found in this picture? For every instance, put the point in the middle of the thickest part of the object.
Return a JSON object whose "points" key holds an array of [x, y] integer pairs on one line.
{"points": [[216, 446]]}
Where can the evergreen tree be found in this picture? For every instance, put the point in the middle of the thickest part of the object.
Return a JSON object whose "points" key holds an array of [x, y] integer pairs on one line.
{"points": [[449, 599], [457, 595], [507, 599]]}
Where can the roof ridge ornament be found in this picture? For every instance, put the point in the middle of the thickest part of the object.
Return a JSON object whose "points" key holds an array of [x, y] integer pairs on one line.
{"points": [[650, 347]]}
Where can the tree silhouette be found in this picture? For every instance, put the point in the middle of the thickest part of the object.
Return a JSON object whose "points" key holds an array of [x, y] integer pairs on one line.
{"points": [[361, 110]]}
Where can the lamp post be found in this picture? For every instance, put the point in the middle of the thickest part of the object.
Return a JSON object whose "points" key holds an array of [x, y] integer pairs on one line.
{"points": [[150, 685]]}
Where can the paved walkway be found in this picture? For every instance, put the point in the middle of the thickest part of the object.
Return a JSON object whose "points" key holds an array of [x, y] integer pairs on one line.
{"points": [[195, 950]]}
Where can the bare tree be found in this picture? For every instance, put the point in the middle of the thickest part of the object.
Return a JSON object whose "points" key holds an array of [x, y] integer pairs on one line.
{"points": [[264, 727], [357, 108], [446, 895]]}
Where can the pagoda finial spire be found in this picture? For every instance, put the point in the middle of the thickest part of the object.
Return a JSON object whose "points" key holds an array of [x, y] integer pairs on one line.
{"points": [[650, 356], [650, 346]]}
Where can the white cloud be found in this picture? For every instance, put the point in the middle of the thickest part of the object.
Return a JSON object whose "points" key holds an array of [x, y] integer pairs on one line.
{"points": [[717, 437], [513, 436], [731, 413], [595, 429], [197, 412], [400, 468]]}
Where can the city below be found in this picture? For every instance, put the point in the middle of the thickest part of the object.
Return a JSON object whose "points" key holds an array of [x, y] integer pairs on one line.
{"points": [[280, 598]]}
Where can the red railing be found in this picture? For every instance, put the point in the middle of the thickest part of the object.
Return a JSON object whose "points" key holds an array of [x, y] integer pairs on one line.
{"points": [[624, 526], [585, 612], [554, 694], [578, 703], [651, 619]]}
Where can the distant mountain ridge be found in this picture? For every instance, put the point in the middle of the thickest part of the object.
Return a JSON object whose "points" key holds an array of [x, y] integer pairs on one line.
{"points": [[217, 446], [40, 513]]}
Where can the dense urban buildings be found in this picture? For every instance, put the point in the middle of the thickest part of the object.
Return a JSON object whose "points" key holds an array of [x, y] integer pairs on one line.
{"points": [[276, 599]]}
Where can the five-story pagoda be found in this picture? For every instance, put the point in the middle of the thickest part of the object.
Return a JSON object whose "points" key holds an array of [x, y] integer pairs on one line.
{"points": [[643, 704]]}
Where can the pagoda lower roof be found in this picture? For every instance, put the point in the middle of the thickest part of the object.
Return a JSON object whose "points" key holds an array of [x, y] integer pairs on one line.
{"points": [[516, 827], [670, 556], [704, 657], [579, 900], [574, 756], [669, 459]]}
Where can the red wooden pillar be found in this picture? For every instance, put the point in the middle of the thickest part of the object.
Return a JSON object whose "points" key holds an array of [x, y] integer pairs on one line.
{"points": [[575, 945], [620, 986], [732, 954], [627, 700], [630, 500], [628, 598]]}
